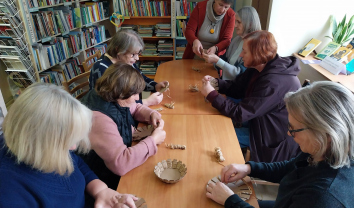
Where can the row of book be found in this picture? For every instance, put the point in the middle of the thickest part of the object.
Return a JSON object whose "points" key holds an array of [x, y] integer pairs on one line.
{"points": [[165, 48], [93, 35], [332, 49], [94, 11], [102, 48], [184, 8], [41, 3], [71, 68], [143, 8], [54, 22], [179, 51], [181, 28], [160, 30]]}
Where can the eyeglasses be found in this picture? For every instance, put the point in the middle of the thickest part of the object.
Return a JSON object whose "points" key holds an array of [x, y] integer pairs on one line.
{"points": [[293, 131], [132, 55]]}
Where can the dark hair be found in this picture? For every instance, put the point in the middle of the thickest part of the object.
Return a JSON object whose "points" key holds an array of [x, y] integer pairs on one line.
{"points": [[119, 81], [124, 41], [228, 1], [262, 45]]}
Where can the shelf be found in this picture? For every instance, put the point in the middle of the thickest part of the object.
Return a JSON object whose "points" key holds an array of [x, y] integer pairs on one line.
{"points": [[91, 23], [74, 55], [46, 39], [155, 37], [180, 38], [97, 44], [35, 9], [150, 17], [181, 17]]}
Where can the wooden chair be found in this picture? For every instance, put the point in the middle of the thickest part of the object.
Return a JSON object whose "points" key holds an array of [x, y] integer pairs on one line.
{"points": [[85, 75]]}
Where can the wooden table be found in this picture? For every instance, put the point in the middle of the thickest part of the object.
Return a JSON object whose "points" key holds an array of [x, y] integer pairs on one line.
{"points": [[201, 134], [180, 75], [345, 80]]}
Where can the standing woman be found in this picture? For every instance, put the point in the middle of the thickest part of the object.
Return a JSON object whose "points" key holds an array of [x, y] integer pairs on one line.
{"points": [[210, 26], [126, 46], [231, 64], [37, 166], [262, 88]]}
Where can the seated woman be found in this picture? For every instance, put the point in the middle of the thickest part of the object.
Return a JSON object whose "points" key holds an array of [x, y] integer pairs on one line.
{"points": [[37, 168], [231, 64], [321, 121], [210, 26], [126, 46], [114, 111], [262, 88]]}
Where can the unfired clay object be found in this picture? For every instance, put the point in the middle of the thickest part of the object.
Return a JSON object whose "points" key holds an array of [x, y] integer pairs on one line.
{"points": [[218, 154], [214, 83], [170, 171], [196, 69], [140, 203], [158, 109], [193, 88], [239, 187], [170, 105], [142, 132], [176, 146], [164, 88]]}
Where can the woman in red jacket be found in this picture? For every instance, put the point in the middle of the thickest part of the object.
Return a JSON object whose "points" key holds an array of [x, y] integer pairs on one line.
{"points": [[210, 26]]}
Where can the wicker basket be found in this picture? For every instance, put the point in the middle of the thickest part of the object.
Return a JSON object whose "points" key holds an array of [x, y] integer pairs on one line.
{"points": [[170, 171]]}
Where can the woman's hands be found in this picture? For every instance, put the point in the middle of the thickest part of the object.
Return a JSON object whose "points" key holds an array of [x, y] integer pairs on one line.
{"points": [[218, 192], [210, 58], [211, 50], [234, 172], [161, 85], [159, 134], [155, 119], [206, 88], [110, 198], [153, 99], [197, 47]]}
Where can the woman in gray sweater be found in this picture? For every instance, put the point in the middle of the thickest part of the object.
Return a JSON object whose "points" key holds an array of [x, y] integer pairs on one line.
{"points": [[231, 64]]}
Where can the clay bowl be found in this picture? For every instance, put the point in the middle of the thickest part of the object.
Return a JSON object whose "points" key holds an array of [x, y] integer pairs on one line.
{"points": [[170, 171]]}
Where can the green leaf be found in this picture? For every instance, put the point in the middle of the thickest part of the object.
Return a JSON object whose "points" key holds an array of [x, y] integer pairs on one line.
{"points": [[350, 23], [342, 34], [334, 25], [329, 37], [339, 30], [344, 19]]}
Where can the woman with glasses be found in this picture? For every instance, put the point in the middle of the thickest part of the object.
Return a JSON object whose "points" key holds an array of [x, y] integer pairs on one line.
{"points": [[114, 115], [262, 88], [321, 121], [126, 46]]}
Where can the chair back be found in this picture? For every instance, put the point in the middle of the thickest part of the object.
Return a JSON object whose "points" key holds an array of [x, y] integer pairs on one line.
{"points": [[82, 88]]}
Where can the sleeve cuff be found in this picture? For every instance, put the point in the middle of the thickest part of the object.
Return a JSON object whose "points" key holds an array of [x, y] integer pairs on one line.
{"points": [[232, 201], [220, 63], [212, 95]]}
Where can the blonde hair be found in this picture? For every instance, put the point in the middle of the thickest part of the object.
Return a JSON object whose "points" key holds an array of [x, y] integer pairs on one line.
{"points": [[43, 124], [327, 109]]}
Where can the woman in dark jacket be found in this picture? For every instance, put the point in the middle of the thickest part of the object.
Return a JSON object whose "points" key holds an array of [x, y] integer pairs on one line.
{"points": [[321, 121], [262, 88]]}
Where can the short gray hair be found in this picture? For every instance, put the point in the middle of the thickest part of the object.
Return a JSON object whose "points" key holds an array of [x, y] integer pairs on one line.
{"points": [[124, 41], [327, 109], [249, 19], [43, 124]]}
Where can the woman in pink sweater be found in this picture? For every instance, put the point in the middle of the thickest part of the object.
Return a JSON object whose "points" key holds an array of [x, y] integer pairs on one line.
{"points": [[114, 114]]}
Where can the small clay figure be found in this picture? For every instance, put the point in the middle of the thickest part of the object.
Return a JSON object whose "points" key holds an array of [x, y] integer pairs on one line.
{"points": [[196, 69], [194, 88], [176, 146], [218, 154], [170, 105]]}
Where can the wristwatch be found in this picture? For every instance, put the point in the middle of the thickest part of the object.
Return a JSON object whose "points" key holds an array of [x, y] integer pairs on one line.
{"points": [[217, 49]]}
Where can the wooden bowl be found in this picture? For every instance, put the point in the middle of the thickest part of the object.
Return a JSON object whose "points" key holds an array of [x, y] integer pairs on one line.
{"points": [[170, 171]]}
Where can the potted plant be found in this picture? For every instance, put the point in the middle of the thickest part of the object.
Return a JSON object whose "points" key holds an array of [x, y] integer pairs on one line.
{"points": [[342, 32]]}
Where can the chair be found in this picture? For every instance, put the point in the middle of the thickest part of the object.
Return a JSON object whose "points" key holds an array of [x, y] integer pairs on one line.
{"points": [[79, 89]]}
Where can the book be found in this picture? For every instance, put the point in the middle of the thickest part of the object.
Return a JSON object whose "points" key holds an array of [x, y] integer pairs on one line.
{"points": [[340, 53], [309, 47], [328, 50]]}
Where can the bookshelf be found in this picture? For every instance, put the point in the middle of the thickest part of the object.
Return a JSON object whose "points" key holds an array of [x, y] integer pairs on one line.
{"points": [[54, 37], [157, 14]]}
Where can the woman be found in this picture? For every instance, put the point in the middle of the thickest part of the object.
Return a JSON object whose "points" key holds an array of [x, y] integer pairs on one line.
{"points": [[114, 111], [262, 88], [321, 121], [231, 64], [37, 168], [210, 26], [126, 46]]}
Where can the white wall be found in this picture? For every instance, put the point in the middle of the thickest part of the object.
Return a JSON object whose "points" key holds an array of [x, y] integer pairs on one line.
{"points": [[295, 22]]}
